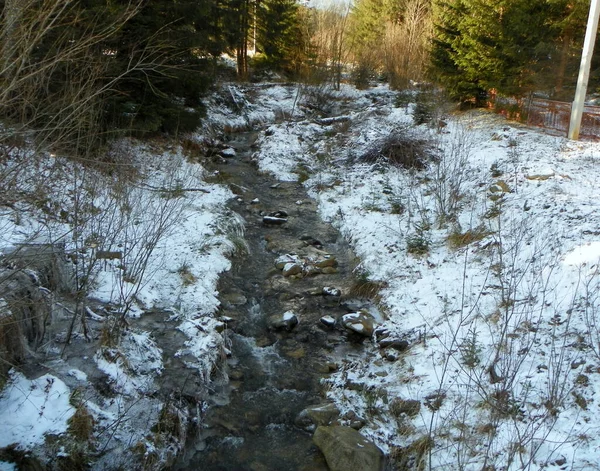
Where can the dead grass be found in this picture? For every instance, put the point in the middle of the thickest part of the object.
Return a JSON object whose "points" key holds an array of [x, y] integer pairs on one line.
{"points": [[457, 239], [187, 277], [412, 457], [81, 424], [367, 289]]}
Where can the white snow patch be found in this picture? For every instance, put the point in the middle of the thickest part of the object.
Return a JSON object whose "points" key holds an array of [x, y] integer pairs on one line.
{"points": [[588, 253], [77, 374], [30, 409]]}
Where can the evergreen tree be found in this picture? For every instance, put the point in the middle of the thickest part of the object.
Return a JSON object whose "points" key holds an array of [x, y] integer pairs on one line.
{"points": [[171, 35], [506, 46], [280, 36]]}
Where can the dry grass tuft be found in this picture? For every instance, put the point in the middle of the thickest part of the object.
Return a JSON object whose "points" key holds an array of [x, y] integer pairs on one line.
{"points": [[81, 424], [457, 239]]}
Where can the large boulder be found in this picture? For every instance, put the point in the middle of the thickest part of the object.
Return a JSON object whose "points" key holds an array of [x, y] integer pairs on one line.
{"points": [[346, 449]]}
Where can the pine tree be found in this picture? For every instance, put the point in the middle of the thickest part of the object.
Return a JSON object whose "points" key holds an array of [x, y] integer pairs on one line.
{"points": [[280, 36], [505, 46], [172, 35]]}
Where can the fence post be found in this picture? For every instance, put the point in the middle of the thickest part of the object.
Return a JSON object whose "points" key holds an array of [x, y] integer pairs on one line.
{"points": [[584, 70]]}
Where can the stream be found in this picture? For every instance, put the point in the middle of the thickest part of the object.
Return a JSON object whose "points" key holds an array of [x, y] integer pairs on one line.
{"points": [[274, 373]]}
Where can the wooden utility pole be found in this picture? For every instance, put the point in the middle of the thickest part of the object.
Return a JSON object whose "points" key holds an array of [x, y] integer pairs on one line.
{"points": [[584, 70]]}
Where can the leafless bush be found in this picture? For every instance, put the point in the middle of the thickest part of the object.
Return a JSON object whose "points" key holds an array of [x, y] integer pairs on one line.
{"points": [[490, 356], [450, 174], [401, 149], [122, 222], [317, 98]]}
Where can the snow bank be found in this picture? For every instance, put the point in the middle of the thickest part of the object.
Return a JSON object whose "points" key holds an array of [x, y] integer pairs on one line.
{"points": [[31, 409]]}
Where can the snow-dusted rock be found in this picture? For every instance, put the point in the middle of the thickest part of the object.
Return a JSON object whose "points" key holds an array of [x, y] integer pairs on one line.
{"points": [[228, 152], [276, 218], [283, 260], [361, 323], [327, 321], [329, 291], [290, 269], [286, 321]]}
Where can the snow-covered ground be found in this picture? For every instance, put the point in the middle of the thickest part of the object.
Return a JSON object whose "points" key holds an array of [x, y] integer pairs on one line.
{"points": [[488, 262], [157, 238]]}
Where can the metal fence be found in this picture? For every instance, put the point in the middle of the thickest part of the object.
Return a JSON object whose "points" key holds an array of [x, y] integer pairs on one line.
{"points": [[551, 115]]}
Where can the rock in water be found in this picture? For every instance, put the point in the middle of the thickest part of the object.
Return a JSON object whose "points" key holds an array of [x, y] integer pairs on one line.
{"points": [[345, 449], [286, 321], [328, 321], [330, 291], [292, 269], [276, 218], [361, 322], [311, 417]]}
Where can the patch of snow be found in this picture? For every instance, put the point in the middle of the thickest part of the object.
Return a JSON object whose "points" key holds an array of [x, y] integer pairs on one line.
{"points": [[31, 409], [77, 374]]}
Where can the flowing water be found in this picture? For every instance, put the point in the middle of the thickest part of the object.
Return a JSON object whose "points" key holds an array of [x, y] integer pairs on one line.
{"points": [[273, 375]]}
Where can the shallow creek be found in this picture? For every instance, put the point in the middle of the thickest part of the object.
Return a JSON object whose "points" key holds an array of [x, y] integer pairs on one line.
{"points": [[273, 373]]}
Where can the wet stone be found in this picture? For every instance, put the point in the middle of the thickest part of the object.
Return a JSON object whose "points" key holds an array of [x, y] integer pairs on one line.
{"points": [[234, 299], [326, 262], [235, 375], [291, 269], [262, 342], [297, 353], [312, 271], [327, 321], [329, 291], [346, 449], [361, 323], [286, 321], [322, 414], [396, 344]]}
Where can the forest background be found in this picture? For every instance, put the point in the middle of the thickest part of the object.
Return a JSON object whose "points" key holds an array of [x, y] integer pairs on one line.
{"points": [[81, 72]]}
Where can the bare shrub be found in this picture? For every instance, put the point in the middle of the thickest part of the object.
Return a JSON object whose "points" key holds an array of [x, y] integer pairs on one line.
{"points": [[449, 177], [401, 149]]}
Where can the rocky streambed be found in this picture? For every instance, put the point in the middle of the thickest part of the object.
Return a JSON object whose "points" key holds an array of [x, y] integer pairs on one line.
{"points": [[291, 320]]}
